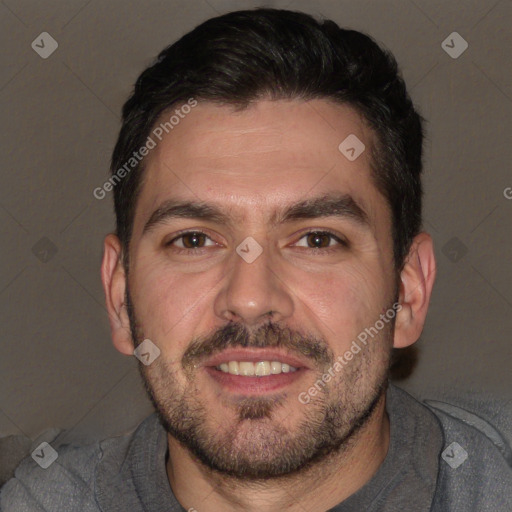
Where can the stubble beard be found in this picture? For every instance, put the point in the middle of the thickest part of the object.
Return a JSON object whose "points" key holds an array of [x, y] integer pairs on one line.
{"points": [[257, 445]]}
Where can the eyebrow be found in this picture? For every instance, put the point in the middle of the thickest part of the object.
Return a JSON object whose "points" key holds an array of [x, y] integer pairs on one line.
{"points": [[338, 205], [342, 205]]}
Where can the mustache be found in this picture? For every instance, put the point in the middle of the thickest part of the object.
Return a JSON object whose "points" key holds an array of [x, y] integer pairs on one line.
{"points": [[270, 335]]}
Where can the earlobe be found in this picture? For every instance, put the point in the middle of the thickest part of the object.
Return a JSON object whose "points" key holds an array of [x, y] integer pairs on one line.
{"points": [[417, 280], [113, 277]]}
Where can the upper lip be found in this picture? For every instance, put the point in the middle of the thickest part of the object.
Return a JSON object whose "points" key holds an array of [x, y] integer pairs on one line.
{"points": [[255, 355]]}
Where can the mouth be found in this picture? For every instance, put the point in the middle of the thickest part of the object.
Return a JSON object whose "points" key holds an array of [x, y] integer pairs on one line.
{"points": [[254, 372]]}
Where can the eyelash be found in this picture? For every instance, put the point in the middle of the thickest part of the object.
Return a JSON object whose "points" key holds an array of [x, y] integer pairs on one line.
{"points": [[199, 250]]}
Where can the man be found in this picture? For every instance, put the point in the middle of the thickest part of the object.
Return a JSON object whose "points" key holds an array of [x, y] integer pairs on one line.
{"points": [[267, 259]]}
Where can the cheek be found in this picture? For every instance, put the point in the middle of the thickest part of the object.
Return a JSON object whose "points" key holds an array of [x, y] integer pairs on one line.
{"points": [[170, 305], [344, 302]]}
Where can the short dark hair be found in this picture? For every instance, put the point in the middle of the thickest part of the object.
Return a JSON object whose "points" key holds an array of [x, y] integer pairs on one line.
{"points": [[244, 56]]}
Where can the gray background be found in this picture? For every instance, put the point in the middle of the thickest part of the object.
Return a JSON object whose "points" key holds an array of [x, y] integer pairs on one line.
{"points": [[61, 118]]}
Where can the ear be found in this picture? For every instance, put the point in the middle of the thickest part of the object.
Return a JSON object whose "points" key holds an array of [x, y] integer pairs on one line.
{"points": [[417, 280], [113, 277]]}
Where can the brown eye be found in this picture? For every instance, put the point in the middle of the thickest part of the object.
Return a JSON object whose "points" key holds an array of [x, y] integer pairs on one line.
{"points": [[319, 240], [325, 240], [193, 240]]}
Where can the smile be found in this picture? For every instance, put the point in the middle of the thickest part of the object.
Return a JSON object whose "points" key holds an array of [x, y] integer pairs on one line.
{"points": [[258, 369]]}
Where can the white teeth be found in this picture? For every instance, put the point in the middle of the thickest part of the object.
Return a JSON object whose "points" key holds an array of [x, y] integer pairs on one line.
{"points": [[233, 367], [259, 369], [275, 367], [246, 369], [262, 368]]}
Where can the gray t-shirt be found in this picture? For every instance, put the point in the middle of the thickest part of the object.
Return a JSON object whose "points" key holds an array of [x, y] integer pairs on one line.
{"points": [[435, 463]]}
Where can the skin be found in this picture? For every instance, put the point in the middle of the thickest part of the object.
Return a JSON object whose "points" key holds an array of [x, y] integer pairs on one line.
{"points": [[252, 164]]}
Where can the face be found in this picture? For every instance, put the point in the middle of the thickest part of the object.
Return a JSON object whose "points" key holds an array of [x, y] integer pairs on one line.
{"points": [[259, 254]]}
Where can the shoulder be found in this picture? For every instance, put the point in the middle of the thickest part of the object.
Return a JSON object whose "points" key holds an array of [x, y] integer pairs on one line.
{"points": [[68, 479], [475, 466], [474, 473], [68, 483]]}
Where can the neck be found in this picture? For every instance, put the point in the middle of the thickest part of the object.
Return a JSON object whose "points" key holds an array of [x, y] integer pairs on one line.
{"points": [[316, 488]]}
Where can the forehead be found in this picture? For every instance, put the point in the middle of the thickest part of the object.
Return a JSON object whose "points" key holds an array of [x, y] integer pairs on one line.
{"points": [[254, 161]]}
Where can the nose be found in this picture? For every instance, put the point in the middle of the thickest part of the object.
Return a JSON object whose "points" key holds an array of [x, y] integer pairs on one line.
{"points": [[253, 292]]}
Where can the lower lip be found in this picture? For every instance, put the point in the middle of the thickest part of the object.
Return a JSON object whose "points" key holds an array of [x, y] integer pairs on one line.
{"points": [[254, 385]]}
